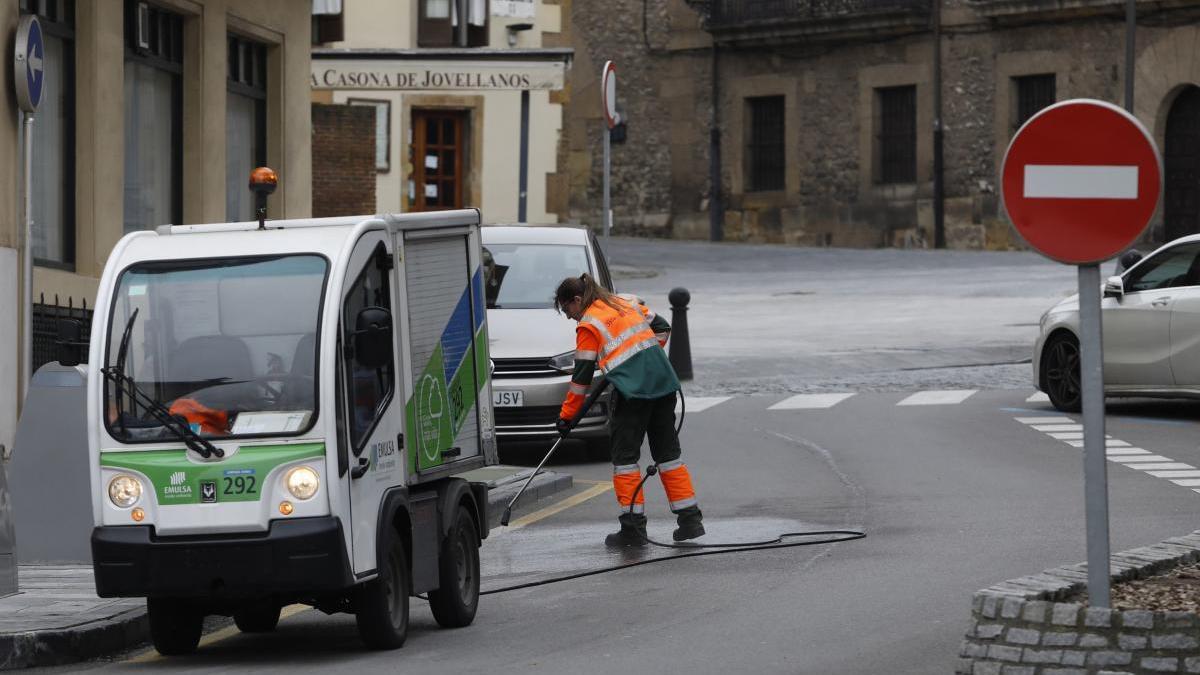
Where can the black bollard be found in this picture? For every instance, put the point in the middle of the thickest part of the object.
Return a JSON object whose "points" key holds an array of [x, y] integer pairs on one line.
{"points": [[681, 347]]}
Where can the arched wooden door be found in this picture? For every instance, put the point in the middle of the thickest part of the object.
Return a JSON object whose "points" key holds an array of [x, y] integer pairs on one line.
{"points": [[1181, 201]]}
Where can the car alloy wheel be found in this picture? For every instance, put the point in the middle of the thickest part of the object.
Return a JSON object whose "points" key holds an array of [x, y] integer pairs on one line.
{"points": [[1061, 368]]}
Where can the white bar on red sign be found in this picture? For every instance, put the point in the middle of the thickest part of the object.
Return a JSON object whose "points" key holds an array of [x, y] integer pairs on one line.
{"points": [[1053, 181]]}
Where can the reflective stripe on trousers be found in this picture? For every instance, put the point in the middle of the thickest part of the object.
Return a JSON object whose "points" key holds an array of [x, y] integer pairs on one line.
{"points": [[678, 484], [625, 482]]}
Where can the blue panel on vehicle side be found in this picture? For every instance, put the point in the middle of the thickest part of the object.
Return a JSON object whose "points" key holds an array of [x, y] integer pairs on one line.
{"points": [[456, 339]]}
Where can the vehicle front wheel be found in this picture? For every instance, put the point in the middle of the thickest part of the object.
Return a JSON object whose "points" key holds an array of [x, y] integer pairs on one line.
{"points": [[257, 618], [175, 625], [1060, 364], [457, 598], [381, 604]]}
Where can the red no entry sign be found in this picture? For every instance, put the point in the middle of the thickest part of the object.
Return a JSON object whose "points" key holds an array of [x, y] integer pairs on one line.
{"points": [[1081, 180]]}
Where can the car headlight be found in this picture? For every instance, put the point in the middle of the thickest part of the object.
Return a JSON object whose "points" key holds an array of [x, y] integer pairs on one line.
{"points": [[563, 363], [303, 482], [124, 491]]}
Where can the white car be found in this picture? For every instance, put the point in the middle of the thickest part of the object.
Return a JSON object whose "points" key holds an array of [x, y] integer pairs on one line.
{"points": [[1151, 322], [531, 344]]}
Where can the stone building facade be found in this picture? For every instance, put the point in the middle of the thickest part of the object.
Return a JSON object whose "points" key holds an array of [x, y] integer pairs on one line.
{"points": [[826, 111]]}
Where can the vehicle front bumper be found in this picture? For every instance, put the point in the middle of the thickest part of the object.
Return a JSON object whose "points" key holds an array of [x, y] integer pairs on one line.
{"points": [[294, 556], [543, 400]]}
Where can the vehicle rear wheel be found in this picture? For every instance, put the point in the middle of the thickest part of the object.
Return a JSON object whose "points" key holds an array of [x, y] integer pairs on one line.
{"points": [[1060, 364], [257, 618], [457, 598], [381, 604], [175, 625]]}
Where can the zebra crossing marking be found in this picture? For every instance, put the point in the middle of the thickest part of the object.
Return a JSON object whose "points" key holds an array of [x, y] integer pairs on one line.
{"points": [[939, 397], [699, 403], [811, 401], [1119, 452]]}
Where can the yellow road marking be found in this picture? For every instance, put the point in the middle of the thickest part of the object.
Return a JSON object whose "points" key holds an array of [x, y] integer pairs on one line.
{"points": [[217, 636], [593, 491]]}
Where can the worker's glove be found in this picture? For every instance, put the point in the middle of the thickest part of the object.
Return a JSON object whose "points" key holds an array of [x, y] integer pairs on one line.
{"points": [[563, 427]]}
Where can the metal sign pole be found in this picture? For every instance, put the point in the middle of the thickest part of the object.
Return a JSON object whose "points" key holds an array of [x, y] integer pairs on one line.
{"points": [[1095, 468], [607, 208], [27, 260]]}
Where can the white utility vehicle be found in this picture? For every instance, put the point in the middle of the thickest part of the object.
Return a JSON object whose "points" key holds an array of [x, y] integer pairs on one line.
{"points": [[276, 414]]}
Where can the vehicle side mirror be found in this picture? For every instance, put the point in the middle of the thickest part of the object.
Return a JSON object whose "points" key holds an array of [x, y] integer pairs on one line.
{"points": [[71, 348], [1114, 287], [373, 337]]}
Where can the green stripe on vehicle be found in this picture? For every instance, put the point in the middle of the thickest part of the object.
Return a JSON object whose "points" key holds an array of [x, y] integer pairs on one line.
{"points": [[238, 478]]}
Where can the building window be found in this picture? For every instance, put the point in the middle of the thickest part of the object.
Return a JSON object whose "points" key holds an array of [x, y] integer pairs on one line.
{"points": [[438, 154], [245, 124], [53, 180], [153, 116], [383, 124], [897, 134], [764, 143], [1034, 92], [438, 24]]}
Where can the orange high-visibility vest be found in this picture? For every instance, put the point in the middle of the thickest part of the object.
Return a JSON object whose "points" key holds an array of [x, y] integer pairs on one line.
{"points": [[621, 335]]}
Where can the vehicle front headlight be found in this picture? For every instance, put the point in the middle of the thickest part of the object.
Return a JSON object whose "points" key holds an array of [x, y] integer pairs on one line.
{"points": [[563, 363], [124, 490], [303, 482]]}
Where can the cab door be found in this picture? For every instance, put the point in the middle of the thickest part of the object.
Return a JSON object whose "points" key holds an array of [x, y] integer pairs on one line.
{"points": [[373, 425]]}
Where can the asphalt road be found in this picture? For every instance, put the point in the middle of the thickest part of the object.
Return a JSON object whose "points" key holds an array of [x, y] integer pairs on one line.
{"points": [[954, 497]]}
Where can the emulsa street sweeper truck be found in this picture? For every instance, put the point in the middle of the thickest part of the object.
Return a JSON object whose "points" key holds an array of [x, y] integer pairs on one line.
{"points": [[277, 414]]}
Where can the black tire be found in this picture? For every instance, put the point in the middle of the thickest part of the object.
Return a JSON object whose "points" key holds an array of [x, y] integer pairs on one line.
{"points": [[381, 604], [175, 625], [1060, 368], [257, 618], [457, 598]]}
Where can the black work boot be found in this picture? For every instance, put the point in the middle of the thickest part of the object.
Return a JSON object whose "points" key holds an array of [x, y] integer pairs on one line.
{"points": [[690, 525], [632, 532]]}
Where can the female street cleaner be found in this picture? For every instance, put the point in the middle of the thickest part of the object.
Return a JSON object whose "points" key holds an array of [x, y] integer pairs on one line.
{"points": [[626, 339]]}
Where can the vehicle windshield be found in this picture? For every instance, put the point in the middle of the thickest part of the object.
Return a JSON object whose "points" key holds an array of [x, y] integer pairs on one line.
{"points": [[524, 276], [227, 345]]}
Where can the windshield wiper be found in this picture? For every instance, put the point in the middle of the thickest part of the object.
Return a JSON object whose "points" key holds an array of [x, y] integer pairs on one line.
{"points": [[127, 386]]}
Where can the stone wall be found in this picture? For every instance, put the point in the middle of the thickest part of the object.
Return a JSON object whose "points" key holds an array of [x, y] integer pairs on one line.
{"points": [[1030, 626], [831, 196], [343, 160]]}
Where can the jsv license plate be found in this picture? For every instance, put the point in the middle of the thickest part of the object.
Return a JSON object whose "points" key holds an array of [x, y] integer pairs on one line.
{"points": [[508, 399]]}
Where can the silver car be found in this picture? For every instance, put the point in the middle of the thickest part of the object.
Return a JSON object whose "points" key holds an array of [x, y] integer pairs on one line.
{"points": [[1151, 331], [531, 344]]}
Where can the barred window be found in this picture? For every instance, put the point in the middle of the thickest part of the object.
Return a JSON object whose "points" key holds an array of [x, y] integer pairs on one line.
{"points": [[897, 134], [1034, 92], [764, 147]]}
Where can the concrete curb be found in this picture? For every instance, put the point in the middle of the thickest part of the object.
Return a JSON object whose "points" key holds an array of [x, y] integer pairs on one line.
{"points": [[544, 485], [60, 646]]}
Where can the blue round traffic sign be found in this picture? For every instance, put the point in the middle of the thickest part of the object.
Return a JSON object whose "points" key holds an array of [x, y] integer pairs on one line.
{"points": [[29, 64]]}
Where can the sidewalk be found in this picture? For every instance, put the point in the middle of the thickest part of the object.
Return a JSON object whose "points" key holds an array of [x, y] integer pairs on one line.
{"points": [[56, 617]]}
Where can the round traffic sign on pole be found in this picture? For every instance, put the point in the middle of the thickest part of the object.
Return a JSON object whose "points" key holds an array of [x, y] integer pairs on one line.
{"points": [[1081, 180], [608, 93], [29, 59]]}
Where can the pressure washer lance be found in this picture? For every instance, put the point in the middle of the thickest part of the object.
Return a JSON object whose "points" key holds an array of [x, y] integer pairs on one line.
{"points": [[587, 404]]}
